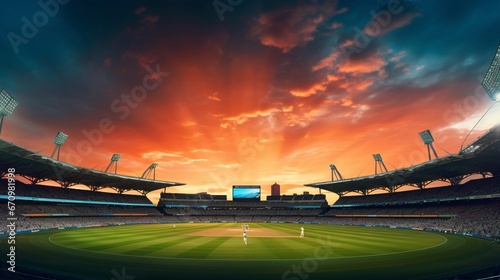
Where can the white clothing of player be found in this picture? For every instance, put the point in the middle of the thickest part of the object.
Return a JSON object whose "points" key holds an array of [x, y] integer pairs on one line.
{"points": [[245, 237], [301, 231]]}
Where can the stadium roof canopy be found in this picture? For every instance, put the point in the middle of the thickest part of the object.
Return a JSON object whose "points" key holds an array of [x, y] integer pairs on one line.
{"points": [[42, 168], [479, 157]]}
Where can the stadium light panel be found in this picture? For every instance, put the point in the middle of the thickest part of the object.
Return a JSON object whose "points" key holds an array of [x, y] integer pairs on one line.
{"points": [[471, 149], [426, 137], [115, 157], [7, 103], [60, 138], [377, 157]]}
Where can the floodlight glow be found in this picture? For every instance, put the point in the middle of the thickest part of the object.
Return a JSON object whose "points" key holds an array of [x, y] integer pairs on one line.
{"points": [[7, 103], [115, 157], [377, 157], [426, 137], [60, 138], [491, 81], [471, 149]]}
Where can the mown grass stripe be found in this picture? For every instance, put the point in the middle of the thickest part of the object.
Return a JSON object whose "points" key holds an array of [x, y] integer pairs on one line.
{"points": [[98, 242], [372, 239], [204, 249], [148, 242], [285, 249], [106, 243], [150, 249], [111, 238], [257, 248], [371, 247]]}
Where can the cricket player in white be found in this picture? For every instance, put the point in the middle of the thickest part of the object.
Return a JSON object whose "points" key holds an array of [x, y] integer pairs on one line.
{"points": [[301, 231], [245, 237]]}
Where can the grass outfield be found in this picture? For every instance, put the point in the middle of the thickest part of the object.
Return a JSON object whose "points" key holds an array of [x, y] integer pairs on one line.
{"points": [[274, 251]]}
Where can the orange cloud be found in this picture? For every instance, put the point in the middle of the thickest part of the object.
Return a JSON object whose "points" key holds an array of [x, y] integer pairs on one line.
{"points": [[246, 116], [367, 65], [336, 25], [288, 27], [214, 96], [321, 86]]}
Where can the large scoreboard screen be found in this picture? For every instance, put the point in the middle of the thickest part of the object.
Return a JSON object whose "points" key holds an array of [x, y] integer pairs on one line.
{"points": [[246, 192]]}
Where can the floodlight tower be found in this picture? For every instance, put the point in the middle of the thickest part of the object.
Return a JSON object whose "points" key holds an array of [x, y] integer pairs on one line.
{"points": [[491, 81], [380, 163], [150, 170], [114, 161], [335, 173], [59, 141], [491, 84], [426, 137], [7, 106]]}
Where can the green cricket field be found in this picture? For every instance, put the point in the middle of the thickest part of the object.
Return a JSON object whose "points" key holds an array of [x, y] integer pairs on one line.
{"points": [[273, 251]]}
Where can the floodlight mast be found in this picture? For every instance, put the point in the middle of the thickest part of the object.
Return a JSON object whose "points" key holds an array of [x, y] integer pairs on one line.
{"points": [[380, 163], [427, 138], [491, 85], [114, 161], [335, 173], [58, 141], [150, 170], [7, 106]]}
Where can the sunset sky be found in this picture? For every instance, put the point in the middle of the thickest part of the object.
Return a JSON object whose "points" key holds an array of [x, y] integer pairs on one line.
{"points": [[231, 92]]}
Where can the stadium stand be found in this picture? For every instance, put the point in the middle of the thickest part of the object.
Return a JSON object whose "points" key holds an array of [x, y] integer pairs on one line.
{"points": [[40, 207], [171, 200], [37, 191], [472, 208], [481, 188], [473, 217]]}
